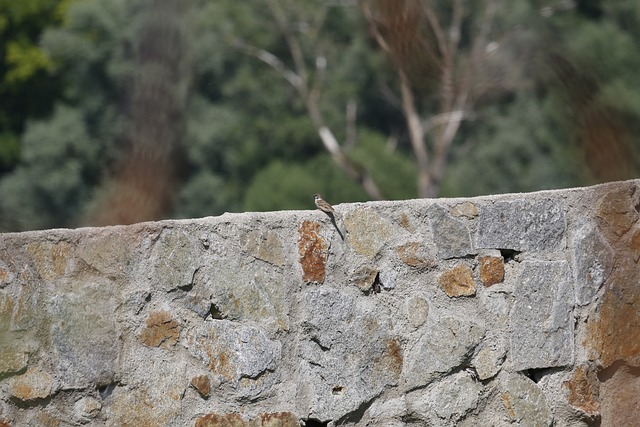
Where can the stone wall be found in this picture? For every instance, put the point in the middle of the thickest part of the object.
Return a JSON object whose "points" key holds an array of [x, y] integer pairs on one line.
{"points": [[519, 309]]}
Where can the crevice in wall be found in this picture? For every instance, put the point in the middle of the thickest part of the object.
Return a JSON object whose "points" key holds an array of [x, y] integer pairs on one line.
{"points": [[317, 342], [33, 403], [6, 375], [107, 389], [186, 288], [215, 312], [356, 415], [313, 422], [509, 254], [537, 374]]}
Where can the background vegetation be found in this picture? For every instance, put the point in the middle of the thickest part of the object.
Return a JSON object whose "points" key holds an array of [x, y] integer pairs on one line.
{"points": [[116, 111]]}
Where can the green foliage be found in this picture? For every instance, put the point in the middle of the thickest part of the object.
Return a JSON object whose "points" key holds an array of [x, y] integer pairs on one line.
{"points": [[9, 150], [283, 185], [65, 80], [392, 169], [516, 150], [24, 60], [49, 187], [28, 87]]}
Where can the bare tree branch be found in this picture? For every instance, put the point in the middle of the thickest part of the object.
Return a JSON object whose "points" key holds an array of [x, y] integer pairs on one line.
{"points": [[400, 27], [271, 60], [311, 92]]}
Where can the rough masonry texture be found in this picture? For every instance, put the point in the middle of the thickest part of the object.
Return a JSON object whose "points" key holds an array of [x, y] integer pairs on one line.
{"points": [[520, 309]]}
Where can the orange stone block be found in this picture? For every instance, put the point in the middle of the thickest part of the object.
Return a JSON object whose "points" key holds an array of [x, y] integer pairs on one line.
{"points": [[491, 270], [313, 251], [161, 330], [458, 281]]}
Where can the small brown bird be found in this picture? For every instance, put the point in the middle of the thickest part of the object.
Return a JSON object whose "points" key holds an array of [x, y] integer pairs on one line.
{"points": [[324, 206]]}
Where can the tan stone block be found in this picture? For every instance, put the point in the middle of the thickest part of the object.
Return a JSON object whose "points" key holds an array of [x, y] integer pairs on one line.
{"points": [[458, 281]]}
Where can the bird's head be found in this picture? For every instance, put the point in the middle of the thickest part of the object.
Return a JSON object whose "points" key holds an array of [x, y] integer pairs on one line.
{"points": [[317, 196]]}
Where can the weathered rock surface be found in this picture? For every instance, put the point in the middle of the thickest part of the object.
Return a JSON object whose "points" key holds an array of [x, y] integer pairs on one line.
{"points": [[498, 310]]}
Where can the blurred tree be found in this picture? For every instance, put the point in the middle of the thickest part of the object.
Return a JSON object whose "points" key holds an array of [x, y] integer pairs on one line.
{"points": [[246, 115], [597, 73], [59, 159], [143, 183], [276, 100], [83, 134]]}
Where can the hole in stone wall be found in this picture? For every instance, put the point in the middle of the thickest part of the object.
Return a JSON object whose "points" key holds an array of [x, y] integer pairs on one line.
{"points": [[106, 390], [337, 389], [314, 422], [376, 287], [186, 288], [508, 254], [215, 312], [536, 375], [317, 341]]}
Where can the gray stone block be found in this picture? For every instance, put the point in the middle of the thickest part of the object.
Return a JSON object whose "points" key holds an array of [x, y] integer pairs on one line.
{"points": [[447, 402], [522, 225], [593, 260], [348, 353], [242, 357], [445, 345], [541, 320], [451, 235], [84, 333], [524, 401]]}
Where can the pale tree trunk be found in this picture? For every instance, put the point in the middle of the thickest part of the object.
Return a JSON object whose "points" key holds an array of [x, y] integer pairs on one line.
{"points": [[144, 182], [406, 29], [310, 92]]}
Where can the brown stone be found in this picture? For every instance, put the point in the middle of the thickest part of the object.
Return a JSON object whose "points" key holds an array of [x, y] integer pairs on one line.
{"points": [[406, 224], [617, 209], [32, 385], [619, 391], [202, 384], [313, 250], [414, 254], [392, 358], [458, 281], [613, 330], [634, 243], [6, 275], [161, 330], [279, 419], [491, 270], [7, 305], [51, 259], [217, 420], [274, 419], [220, 361], [466, 209], [584, 390]]}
